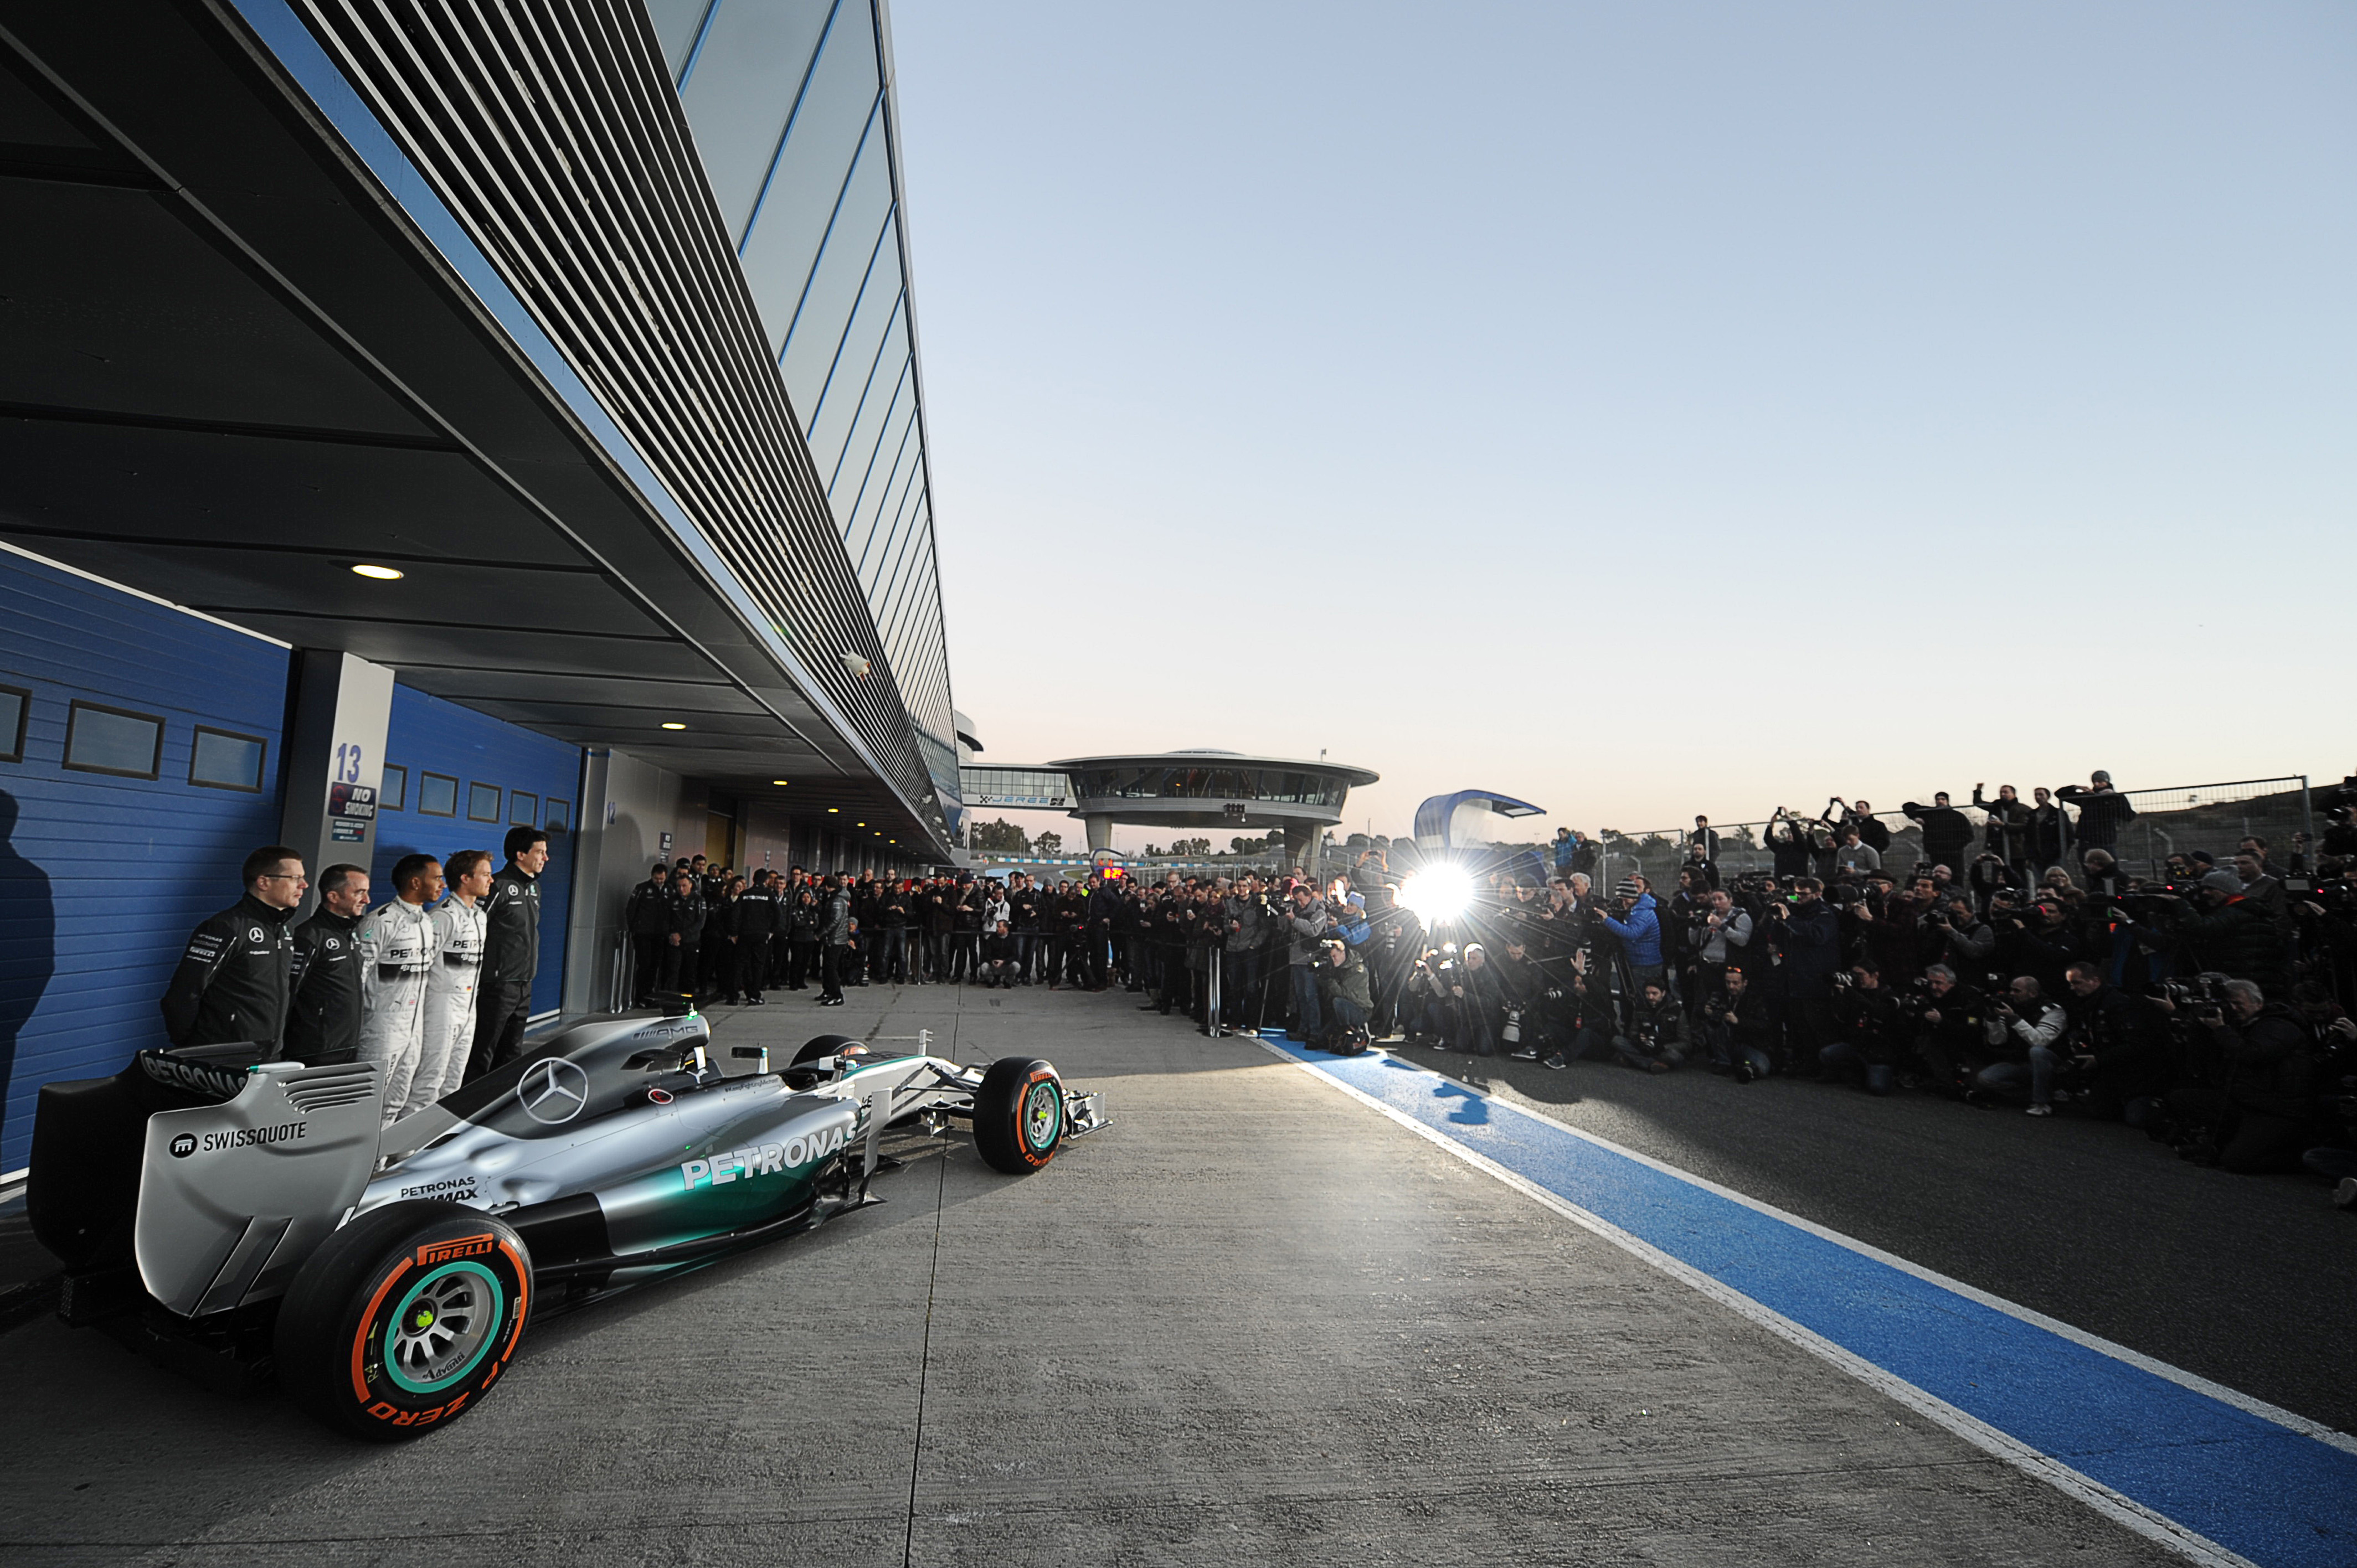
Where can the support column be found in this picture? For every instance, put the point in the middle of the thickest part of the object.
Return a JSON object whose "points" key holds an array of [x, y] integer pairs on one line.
{"points": [[1100, 833], [1301, 845], [332, 765]]}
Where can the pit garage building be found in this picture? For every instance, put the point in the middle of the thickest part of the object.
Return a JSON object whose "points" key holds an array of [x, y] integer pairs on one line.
{"points": [[508, 415]]}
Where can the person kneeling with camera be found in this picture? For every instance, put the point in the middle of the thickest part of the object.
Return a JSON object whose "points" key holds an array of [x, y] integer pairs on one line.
{"points": [[2024, 1026], [1656, 1039], [1950, 1035], [1741, 1027], [2257, 1109], [1866, 1030]]}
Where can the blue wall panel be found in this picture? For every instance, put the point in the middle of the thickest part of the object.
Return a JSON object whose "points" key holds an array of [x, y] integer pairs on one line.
{"points": [[102, 877], [430, 735]]}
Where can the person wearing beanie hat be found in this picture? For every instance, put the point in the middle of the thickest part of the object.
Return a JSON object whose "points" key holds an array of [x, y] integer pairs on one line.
{"points": [[2230, 933], [1640, 930]]}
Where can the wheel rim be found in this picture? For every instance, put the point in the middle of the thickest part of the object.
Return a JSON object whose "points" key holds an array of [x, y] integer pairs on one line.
{"points": [[443, 1326], [1043, 1115]]}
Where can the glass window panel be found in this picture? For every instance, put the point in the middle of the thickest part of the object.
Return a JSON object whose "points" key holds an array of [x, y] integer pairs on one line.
{"points": [[747, 77], [110, 740], [676, 24], [880, 480], [220, 760], [523, 808], [806, 182], [906, 499], [884, 375], [836, 284], [14, 703], [865, 355], [393, 796], [559, 815], [903, 554], [437, 795], [482, 803]]}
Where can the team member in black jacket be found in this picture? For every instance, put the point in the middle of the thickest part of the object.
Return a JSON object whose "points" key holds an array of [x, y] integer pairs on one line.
{"points": [[687, 914], [323, 1015], [757, 932], [232, 979], [648, 919], [511, 952]]}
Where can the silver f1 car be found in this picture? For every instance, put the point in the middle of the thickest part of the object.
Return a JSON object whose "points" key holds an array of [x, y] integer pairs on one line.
{"points": [[222, 1212]]}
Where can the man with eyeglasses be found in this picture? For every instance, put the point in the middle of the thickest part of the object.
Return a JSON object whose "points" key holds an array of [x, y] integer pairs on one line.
{"points": [[232, 982]]}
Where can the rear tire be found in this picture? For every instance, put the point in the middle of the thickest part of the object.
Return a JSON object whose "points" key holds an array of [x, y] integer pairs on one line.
{"points": [[403, 1319], [1018, 1115]]}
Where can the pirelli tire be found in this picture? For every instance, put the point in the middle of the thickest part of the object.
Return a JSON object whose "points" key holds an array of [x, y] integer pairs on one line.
{"points": [[1018, 1115], [403, 1319], [819, 1045]]}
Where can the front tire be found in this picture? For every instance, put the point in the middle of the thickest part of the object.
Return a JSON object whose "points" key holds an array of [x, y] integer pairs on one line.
{"points": [[403, 1320], [1018, 1115]]}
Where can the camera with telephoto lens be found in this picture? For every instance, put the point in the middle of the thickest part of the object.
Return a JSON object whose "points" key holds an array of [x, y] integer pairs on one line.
{"points": [[2205, 990]]}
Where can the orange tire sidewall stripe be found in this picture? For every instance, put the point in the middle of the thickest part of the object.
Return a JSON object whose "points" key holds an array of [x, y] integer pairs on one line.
{"points": [[523, 1300], [360, 1340], [1022, 1115]]}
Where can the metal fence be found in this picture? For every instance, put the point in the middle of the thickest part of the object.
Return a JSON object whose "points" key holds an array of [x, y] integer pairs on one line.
{"points": [[2171, 820]]}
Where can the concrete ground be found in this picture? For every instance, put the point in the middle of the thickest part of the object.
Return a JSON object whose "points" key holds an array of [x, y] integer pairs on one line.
{"points": [[1251, 1320]]}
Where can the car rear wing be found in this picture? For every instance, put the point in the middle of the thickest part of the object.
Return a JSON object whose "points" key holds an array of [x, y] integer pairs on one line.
{"points": [[233, 1197]]}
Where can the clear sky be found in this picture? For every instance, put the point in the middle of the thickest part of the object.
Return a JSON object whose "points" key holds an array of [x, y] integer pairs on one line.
{"points": [[1645, 409]]}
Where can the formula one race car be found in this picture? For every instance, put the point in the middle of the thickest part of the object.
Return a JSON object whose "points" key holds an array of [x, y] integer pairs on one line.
{"points": [[386, 1274]]}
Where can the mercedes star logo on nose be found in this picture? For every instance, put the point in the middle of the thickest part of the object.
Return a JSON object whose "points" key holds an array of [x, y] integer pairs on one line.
{"points": [[553, 1091]]}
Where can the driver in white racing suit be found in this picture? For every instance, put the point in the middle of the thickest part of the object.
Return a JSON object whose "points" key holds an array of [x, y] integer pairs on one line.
{"points": [[450, 986], [396, 953]]}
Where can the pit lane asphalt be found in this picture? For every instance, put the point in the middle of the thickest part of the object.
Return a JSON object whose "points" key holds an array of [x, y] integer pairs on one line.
{"points": [[1251, 1320]]}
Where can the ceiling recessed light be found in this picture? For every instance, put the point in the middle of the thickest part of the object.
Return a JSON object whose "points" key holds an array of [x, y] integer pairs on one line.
{"points": [[674, 727], [859, 824], [777, 781], [830, 811], [382, 573]]}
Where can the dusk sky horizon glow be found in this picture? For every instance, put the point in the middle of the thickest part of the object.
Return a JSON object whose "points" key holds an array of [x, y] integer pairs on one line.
{"points": [[1643, 411]]}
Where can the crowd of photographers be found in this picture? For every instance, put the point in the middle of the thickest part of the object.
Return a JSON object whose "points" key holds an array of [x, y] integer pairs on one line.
{"points": [[2013, 964]]}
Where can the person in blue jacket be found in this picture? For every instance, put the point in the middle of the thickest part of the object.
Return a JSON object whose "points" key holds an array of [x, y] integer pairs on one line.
{"points": [[1640, 930]]}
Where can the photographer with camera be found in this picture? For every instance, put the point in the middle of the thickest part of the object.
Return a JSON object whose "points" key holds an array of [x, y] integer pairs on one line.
{"points": [[2103, 811], [1522, 995], [1638, 928], [2227, 932], [1893, 927], [1656, 1039], [1742, 1028], [1950, 1018], [1947, 833], [1857, 814], [1342, 980], [1791, 844], [2116, 1049], [1809, 938], [2032, 939], [1967, 943], [1866, 1043], [1722, 940], [2022, 1028], [2255, 1110]]}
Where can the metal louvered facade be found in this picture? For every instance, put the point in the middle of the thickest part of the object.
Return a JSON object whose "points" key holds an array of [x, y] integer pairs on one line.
{"points": [[558, 135]]}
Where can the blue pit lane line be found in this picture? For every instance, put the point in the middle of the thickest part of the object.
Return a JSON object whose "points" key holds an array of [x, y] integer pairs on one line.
{"points": [[2265, 1486]]}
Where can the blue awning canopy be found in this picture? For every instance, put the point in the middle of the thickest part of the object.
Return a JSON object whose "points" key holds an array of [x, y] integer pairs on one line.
{"points": [[1433, 817]]}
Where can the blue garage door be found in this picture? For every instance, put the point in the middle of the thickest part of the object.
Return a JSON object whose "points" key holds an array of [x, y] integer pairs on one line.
{"points": [[458, 779], [138, 766]]}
